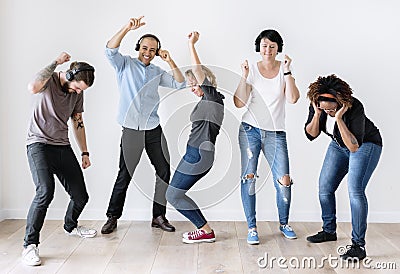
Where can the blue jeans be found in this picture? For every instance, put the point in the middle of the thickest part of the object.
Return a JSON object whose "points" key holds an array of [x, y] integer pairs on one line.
{"points": [[359, 166], [194, 165], [45, 161], [274, 146]]}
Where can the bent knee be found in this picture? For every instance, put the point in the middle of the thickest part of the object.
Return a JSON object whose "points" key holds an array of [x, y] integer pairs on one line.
{"points": [[285, 181], [249, 178]]}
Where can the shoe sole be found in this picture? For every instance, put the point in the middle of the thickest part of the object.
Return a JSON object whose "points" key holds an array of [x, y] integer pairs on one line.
{"points": [[187, 241], [88, 236], [31, 264], [288, 237], [157, 226], [317, 242], [349, 258], [107, 232], [82, 236], [253, 242]]}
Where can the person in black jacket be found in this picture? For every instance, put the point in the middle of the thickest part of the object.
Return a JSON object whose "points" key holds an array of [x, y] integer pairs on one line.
{"points": [[355, 150]]}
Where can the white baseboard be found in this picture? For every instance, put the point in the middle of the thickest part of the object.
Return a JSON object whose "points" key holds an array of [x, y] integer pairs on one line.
{"points": [[211, 215], [2, 215]]}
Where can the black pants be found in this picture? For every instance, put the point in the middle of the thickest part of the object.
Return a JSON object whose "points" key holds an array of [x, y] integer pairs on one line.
{"points": [[45, 161], [132, 144]]}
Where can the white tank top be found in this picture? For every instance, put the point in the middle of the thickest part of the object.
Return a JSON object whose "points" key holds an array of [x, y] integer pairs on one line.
{"points": [[266, 105]]}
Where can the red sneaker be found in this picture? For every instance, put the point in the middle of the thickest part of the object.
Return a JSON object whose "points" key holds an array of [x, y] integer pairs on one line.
{"points": [[198, 236]]}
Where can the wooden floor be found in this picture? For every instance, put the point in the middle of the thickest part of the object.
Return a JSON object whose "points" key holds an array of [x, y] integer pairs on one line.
{"points": [[137, 248]]}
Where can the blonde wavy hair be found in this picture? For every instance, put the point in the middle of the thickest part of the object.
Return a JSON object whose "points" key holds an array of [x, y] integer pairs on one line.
{"points": [[207, 72]]}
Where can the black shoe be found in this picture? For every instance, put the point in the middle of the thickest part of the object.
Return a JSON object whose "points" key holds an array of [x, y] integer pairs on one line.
{"points": [[354, 251], [321, 237], [110, 225], [163, 223]]}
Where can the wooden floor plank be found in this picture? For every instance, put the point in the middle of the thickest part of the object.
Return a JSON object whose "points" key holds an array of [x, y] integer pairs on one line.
{"points": [[136, 247]]}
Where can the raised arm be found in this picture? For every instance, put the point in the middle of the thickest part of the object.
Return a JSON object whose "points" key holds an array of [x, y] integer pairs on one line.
{"points": [[80, 137], [194, 57], [243, 90], [134, 23], [44, 75], [291, 91]]}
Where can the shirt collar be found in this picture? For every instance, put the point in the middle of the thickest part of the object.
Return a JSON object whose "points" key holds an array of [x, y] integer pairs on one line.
{"points": [[141, 63]]}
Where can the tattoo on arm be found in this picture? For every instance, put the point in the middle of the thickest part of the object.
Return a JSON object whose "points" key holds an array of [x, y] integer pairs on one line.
{"points": [[354, 140], [46, 73], [78, 120]]}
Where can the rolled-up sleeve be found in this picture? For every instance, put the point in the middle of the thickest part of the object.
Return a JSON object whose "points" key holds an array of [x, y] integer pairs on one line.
{"points": [[167, 80], [115, 58], [310, 117], [356, 123]]}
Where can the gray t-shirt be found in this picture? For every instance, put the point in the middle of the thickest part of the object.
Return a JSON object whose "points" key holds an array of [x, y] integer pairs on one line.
{"points": [[206, 118], [52, 109]]}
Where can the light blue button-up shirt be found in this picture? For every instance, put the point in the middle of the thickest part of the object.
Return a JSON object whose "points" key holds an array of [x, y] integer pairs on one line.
{"points": [[138, 86]]}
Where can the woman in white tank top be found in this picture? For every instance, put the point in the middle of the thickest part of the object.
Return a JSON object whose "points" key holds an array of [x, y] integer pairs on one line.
{"points": [[264, 89]]}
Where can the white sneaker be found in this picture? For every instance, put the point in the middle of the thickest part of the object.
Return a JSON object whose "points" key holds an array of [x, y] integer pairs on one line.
{"points": [[30, 255], [83, 232]]}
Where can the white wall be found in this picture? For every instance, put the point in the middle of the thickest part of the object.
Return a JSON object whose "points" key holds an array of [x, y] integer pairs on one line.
{"points": [[357, 40]]}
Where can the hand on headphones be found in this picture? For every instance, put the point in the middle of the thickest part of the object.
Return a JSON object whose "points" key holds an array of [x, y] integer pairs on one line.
{"points": [[193, 37], [164, 54], [62, 58], [134, 23]]}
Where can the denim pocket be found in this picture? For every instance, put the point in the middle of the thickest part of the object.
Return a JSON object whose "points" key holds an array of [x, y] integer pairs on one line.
{"points": [[246, 127]]}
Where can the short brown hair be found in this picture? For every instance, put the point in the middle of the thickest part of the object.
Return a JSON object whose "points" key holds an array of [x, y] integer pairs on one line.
{"points": [[87, 76]]}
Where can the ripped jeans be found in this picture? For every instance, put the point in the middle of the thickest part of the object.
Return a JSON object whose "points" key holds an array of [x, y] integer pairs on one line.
{"points": [[274, 146]]}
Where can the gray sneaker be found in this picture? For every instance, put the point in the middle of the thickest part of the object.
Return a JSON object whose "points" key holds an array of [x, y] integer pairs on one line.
{"points": [[83, 232]]}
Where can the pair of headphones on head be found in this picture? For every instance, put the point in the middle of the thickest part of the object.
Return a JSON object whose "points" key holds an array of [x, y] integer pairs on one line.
{"points": [[70, 74], [137, 47]]}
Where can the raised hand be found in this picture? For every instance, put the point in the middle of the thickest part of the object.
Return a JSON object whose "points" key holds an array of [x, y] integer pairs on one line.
{"points": [[245, 69], [62, 58], [135, 23], [193, 37], [287, 61], [164, 54]]}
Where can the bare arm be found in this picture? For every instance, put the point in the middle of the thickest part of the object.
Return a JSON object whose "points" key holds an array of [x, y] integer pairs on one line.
{"points": [[36, 85], [80, 137], [176, 72], [292, 93], [134, 23], [348, 138], [194, 57], [313, 127], [243, 90]]}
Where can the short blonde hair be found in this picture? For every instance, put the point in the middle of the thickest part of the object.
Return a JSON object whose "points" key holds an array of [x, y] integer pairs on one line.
{"points": [[207, 72]]}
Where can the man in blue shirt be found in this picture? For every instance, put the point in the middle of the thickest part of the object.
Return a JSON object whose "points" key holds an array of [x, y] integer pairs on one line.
{"points": [[138, 82]]}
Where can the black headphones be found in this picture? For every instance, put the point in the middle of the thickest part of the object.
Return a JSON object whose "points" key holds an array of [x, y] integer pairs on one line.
{"points": [[70, 74], [137, 47]]}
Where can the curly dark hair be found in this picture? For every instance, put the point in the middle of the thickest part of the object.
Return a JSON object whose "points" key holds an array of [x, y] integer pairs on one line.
{"points": [[331, 84]]}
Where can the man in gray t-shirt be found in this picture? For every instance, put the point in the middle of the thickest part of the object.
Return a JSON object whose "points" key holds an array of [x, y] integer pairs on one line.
{"points": [[59, 96]]}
